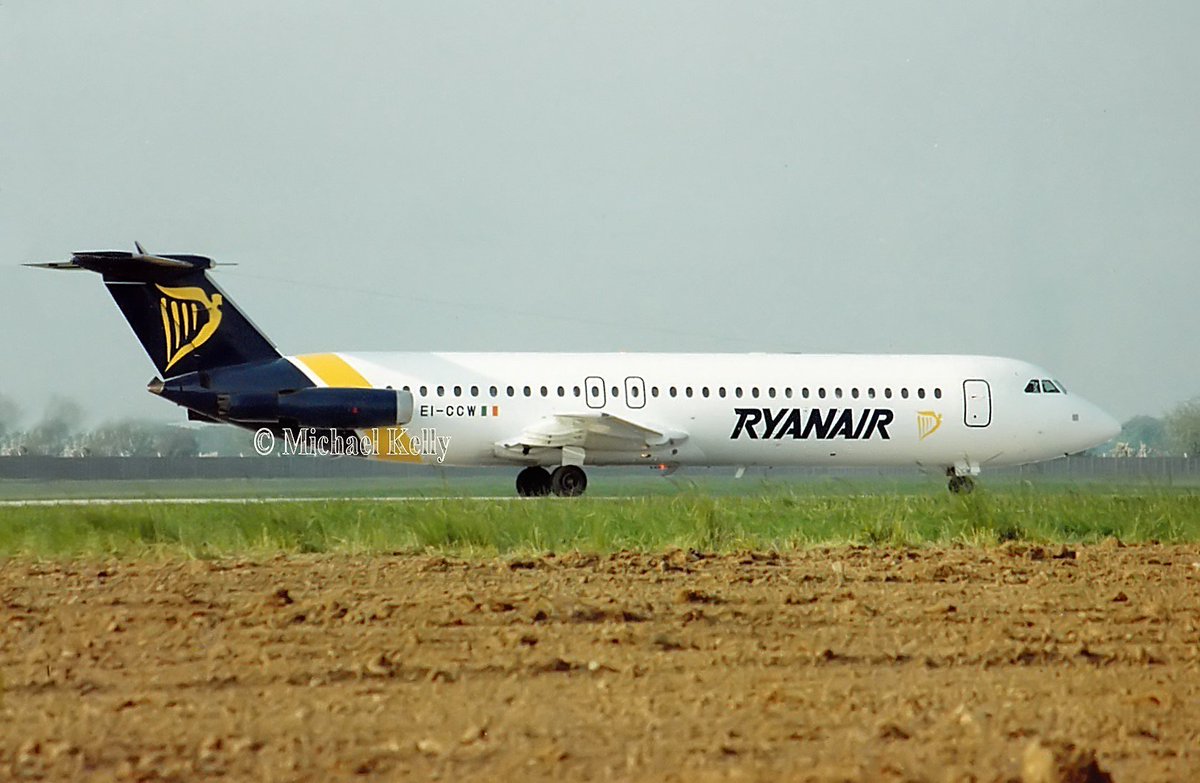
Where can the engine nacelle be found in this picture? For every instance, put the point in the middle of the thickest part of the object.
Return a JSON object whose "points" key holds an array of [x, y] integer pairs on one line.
{"points": [[348, 409]]}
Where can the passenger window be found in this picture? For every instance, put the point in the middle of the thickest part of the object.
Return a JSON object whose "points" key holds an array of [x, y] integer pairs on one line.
{"points": [[838, 392], [674, 392], [441, 391], [616, 392], [457, 391], [492, 390], [511, 392], [528, 392], [653, 391], [871, 392], [754, 392], [1033, 388], [821, 392], [424, 391], [771, 392], [562, 392], [1048, 387], [704, 391], [543, 390], [937, 393], [737, 392], [576, 391], [887, 392], [904, 392], [688, 391], [804, 392], [596, 392], [854, 392], [721, 392], [633, 391], [787, 392], [921, 393]]}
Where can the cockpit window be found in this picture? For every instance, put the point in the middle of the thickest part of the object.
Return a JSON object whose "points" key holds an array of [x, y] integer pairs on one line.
{"points": [[1048, 387], [1060, 386], [1033, 387]]}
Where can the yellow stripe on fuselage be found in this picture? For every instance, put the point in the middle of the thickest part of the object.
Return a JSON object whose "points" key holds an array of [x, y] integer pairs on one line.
{"points": [[334, 371]]}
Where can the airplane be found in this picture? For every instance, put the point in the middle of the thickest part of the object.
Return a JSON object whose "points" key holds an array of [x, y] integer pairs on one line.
{"points": [[553, 414]]}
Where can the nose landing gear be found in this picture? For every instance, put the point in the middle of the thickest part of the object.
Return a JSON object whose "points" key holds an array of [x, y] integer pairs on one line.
{"points": [[961, 473], [962, 485]]}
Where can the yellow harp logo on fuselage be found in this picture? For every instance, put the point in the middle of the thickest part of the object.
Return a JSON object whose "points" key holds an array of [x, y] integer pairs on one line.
{"points": [[927, 423], [189, 319]]}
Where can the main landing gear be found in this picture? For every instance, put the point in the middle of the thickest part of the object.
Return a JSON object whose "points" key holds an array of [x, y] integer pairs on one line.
{"points": [[962, 485], [566, 481]]}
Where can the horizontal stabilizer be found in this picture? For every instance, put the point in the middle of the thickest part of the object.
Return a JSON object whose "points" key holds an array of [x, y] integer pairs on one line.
{"points": [[63, 265], [123, 265]]}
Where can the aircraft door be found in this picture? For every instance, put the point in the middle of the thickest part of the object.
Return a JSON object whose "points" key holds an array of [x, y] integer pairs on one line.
{"points": [[977, 403], [593, 391], [635, 392]]}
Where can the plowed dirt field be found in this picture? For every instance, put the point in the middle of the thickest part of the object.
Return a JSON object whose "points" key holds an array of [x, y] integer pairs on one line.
{"points": [[1017, 663]]}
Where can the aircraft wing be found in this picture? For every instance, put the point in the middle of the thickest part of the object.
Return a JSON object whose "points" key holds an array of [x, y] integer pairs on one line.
{"points": [[589, 432]]}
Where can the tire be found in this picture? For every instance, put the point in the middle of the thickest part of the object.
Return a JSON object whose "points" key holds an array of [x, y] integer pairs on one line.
{"points": [[533, 482], [568, 481], [962, 485]]}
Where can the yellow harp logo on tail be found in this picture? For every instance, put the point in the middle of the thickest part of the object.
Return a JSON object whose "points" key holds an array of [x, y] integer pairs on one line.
{"points": [[189, 319], [927, 423]]}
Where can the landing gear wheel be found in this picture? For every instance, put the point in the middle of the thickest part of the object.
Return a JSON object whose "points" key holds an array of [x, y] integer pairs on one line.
{"points": [[962, 485], [533, 482], [568, 481]]}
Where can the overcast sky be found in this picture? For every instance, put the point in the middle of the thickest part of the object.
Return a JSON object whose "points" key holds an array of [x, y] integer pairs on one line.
{"points": [[1004, 178]]}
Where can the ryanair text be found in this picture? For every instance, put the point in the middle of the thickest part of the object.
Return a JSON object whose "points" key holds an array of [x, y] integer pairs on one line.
{"points": [[814, 423]]}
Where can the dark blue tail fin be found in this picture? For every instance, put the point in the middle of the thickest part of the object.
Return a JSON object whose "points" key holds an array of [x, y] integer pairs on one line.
{"points": [[184, 321]]}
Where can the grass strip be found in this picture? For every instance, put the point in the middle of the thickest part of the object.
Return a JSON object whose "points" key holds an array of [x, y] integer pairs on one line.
{"points": [[710, 523]]}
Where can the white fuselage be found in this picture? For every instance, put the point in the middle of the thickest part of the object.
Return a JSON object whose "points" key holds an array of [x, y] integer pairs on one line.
{"points": [[962, 412]]}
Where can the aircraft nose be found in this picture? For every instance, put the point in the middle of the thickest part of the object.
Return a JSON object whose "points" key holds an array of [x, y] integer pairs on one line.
{"points": [[1100, 426], [1092, 426]]}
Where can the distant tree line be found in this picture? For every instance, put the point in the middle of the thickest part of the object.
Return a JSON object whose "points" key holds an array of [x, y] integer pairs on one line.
{"points": [[61, 433], [1175, 434], [1183, 427]]}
